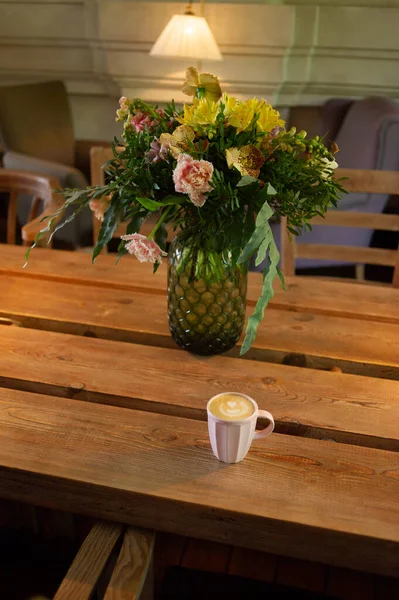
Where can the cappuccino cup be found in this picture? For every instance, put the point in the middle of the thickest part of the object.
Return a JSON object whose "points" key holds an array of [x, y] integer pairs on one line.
{"points": [[232, 425]]}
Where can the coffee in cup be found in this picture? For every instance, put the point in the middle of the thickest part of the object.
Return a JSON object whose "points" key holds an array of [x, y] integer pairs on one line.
{"points": [[232, 425], [232, 407]]}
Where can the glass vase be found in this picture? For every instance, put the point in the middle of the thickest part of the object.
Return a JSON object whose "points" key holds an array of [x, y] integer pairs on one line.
{"points": [[206, 297]]}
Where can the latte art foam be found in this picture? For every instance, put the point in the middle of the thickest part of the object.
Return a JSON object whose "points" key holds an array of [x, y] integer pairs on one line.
{"points": [[232, 407]]}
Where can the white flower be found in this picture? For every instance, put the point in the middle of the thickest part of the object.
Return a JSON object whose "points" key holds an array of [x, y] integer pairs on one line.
{"points": [[328, 167]]}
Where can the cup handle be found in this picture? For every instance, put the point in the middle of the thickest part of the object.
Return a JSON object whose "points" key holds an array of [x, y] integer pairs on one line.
{"points": [[267, 431]]}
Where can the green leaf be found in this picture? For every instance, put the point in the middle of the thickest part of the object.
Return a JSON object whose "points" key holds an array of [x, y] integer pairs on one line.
{"points": [[71, 217], [135, 223], [246, 180], [269, 274], [168, 200], [261, 228], [270, 190], [263, 248], [149, 204], [281, 277], [108, 227], [81, 197], [161, 235]]}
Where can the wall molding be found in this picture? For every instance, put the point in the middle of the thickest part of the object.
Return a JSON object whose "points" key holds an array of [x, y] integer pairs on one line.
{"points": [[293, 52]]}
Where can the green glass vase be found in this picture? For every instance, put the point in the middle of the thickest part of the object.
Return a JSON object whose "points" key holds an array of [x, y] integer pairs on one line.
{"points": [[206, 298]]}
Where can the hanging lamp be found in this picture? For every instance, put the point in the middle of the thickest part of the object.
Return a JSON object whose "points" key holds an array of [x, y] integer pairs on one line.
{"points": [[187, 36]]}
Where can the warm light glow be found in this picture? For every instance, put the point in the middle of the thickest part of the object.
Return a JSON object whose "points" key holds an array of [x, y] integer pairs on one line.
{"points": [[187, 36]]}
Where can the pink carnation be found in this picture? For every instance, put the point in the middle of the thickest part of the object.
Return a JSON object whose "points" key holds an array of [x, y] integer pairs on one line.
{"points": [[99, 206], [140, 120], [192, 177], [142, 248]]}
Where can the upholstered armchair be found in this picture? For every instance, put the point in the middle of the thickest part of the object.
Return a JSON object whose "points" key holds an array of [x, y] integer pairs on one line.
{"points": [[37, 136]]}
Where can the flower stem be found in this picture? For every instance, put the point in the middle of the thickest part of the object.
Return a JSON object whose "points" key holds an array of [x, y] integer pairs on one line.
{"points": [[159, 223]]}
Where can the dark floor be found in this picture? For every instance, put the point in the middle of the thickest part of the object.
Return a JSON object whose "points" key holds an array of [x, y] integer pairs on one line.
{"points": [[189, 584], [30, 566]]}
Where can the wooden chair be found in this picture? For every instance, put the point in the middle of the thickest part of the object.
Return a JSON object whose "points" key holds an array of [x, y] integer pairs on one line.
{"points": [[41, 188], [98, 157], [372, 182], [114, 571]]}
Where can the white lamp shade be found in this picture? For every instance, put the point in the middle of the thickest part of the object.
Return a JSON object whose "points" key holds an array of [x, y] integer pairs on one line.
{"points": [[187, 36]]}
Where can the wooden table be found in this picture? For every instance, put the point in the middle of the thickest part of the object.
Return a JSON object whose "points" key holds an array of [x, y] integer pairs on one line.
{"points": [[101, 414]]}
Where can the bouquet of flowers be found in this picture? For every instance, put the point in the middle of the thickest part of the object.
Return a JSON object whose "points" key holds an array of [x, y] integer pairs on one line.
{"points": [[215, 171]]}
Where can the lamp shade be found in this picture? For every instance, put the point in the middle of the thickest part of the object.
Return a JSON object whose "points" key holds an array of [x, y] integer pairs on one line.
{"points": [[187, 36]]}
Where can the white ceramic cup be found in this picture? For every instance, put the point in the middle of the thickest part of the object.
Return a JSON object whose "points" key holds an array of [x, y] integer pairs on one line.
{"points": [[231, 439]]}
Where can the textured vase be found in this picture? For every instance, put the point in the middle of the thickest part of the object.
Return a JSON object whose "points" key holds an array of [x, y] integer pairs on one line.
{"points": [[206, 298]]}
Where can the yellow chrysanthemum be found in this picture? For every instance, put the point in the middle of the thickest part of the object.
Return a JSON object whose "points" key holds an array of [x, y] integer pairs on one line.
{"points": [[247, 160], [201, 112], [202, 85]]}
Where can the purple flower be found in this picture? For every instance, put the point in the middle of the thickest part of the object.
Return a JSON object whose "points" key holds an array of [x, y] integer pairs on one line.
{"points": [[157, 152], [274, 132]]}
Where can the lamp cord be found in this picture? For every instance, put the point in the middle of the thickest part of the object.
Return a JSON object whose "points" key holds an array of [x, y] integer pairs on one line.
{"points": [[202, 10], [189, 11]]}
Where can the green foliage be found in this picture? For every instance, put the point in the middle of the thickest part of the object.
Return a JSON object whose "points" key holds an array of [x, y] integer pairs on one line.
{"points": [[269, 274], [292, 178]]}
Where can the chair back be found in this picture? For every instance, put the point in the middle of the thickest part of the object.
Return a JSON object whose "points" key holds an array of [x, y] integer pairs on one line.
{"points": [[49, 135], [362, 181], [113, 563], [41, 189]]}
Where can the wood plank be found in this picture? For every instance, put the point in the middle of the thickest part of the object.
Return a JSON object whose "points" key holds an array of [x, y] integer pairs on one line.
{"points": [[304, 294], [350, 254], [359, 347], [346, 218], [253, 564], [87, 567], [358, 410], [371, 181], [131, 572], [298, 497], [335, 298]]}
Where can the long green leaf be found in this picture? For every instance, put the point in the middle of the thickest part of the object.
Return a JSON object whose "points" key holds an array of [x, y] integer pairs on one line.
{"points": [[261, 228], [149, 204], [108, 227], [71, 217], [263, 248], [171, 199], [135, 223], [75, 197], [269, 274]]}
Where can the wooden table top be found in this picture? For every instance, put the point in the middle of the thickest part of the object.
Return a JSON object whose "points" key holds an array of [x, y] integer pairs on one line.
{"points": [[101, 414]]}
